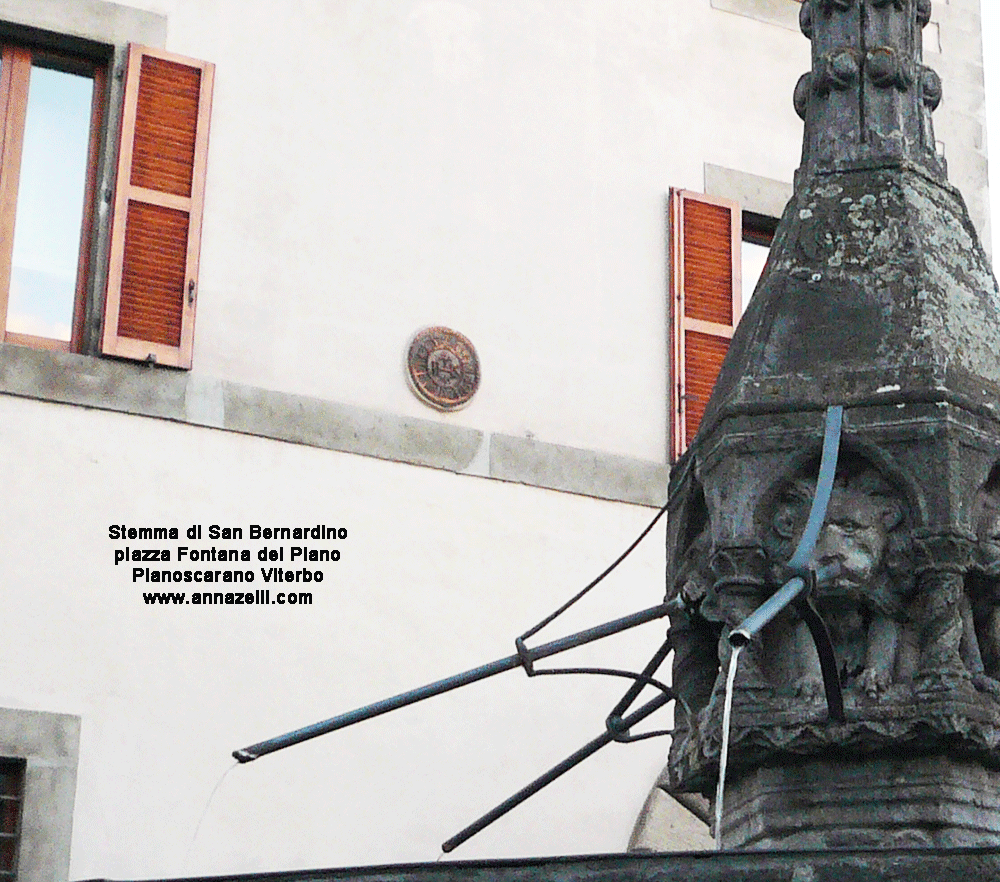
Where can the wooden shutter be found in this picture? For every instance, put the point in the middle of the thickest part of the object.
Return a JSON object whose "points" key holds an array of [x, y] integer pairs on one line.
{"points": [[705, 303], [156, 228]]}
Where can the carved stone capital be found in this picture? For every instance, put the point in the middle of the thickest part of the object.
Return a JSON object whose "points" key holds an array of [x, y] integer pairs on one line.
{"points": [[923, 12], [806, 20], [829, 6], [800, 98], [836, 71], [931, 88]]}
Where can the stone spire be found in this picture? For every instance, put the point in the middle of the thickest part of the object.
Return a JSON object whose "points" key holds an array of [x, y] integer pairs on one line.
{"points": [[879, 298], [868, 96]]}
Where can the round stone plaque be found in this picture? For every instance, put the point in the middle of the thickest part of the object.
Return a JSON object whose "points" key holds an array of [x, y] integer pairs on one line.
{"points": [[443, 368]]}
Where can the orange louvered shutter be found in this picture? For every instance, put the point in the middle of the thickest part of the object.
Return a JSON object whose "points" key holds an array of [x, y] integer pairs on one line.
{"points": [[156, 229], [705, 303]]}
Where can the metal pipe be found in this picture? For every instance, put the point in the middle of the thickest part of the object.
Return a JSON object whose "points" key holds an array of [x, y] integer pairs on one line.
{"points": [[570, 762], [743, 634], [793, 591], [781, 598], [824, 488], [254, 751]]}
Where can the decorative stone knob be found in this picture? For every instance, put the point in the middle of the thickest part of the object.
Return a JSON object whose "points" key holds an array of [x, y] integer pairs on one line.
{"points": [[923, 12], [837, 70], [806, 19], [800, 98], [931, 89], [885, 69]]}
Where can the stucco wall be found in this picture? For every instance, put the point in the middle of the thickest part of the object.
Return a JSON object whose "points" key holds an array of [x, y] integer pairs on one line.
{"points": [[438, 574], [499, 166]]}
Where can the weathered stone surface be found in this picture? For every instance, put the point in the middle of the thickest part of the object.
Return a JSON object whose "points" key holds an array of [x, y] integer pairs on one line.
{"points": [[841, 865]]}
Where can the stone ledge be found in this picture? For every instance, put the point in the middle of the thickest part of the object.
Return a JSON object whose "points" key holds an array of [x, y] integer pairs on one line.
{"points": [[857, 865], [208, 402]]}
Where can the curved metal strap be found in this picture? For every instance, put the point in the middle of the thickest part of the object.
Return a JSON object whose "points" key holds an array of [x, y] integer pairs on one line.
{"points": [[824, 488], [796, 589], [827, 659]]}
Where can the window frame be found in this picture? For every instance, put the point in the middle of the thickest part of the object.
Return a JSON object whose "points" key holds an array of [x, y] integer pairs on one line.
{"points": [[107, 34], [17, 57], [48, 744]]}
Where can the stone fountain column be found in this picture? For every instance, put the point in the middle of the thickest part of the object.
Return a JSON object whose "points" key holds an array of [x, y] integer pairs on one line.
{"points": [[878, 297]]}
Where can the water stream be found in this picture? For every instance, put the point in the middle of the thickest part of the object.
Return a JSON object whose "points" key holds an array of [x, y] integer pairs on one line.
{"points": [[727, 713]]}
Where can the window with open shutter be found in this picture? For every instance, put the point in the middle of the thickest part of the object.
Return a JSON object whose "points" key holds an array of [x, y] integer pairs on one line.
{"points": [[156, 229], [705, 234]]}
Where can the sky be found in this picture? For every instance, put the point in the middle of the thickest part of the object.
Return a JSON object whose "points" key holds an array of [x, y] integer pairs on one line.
{"points": [[991, 57]]}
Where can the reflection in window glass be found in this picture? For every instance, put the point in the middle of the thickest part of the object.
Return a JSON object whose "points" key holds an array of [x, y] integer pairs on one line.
{"points": [[753, 259], [50, 204]]}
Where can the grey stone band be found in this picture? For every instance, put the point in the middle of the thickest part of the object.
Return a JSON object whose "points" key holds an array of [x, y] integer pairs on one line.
{"points": [[203, 401]]}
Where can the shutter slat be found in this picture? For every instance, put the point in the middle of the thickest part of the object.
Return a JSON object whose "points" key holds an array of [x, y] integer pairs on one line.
{"points": [[708, 278], [166, 126], [704, 354]]}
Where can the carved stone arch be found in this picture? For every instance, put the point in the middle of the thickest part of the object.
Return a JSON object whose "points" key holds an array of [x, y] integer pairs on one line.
{"points": [[984, 510], [855, 454], [898, 476], [982, 584], [871, 518]]}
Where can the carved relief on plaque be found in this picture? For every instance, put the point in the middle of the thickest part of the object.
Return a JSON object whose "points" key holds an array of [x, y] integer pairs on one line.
{"points": [[443, 368]]}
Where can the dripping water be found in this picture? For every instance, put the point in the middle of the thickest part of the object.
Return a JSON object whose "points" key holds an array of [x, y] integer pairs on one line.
{"points": [[727, 713], [197, 829]]}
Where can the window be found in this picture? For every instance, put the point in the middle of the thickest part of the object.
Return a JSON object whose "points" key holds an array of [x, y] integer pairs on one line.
{"points": [[51, 110], [11, 799], [53, 121], [758, 233], [705, 241], [39, 755], [717, 256]]}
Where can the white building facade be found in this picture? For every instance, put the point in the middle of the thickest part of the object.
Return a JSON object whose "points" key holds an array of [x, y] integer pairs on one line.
{"points": [[498, 167]]}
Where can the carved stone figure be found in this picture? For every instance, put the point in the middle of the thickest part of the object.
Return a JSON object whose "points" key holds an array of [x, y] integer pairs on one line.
{"points": [[864, 606]]}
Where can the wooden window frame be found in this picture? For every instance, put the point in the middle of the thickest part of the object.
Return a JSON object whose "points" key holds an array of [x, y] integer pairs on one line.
{"points": [[681, 324], [15, 69]]}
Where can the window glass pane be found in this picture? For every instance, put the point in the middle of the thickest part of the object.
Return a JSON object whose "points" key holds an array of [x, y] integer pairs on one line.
{"points": [[753, 259], [50, 204]]}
